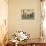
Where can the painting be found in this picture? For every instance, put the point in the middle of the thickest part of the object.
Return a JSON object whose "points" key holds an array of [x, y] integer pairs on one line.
{"points": [[27, 14]]}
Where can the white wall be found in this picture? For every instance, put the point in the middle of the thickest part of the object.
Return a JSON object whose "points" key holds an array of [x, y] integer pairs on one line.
{"points": [[15, 21]]}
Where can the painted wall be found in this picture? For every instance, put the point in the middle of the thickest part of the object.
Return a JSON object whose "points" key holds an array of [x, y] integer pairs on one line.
{"points": [[15, 21]]}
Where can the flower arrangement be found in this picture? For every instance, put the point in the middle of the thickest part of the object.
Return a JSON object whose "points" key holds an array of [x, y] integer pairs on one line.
{"points": [[21, 36]]}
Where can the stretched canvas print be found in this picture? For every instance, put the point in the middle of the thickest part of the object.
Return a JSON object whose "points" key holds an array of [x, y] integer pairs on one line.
{"points": [[27, 14]]}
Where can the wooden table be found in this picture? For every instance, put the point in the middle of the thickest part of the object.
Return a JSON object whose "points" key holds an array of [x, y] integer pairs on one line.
{"points": [[40, 44], [10, 44], [33, 42], [27, 44]]}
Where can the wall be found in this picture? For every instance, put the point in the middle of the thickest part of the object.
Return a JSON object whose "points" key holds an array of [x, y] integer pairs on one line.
{"points": [[15, 21]]}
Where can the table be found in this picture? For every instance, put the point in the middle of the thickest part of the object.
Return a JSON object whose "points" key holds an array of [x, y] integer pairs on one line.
{"points": [[40, 44], [34, 42], [10, 44]]}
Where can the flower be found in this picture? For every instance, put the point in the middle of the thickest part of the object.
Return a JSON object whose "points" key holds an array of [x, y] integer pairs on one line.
{"points": [[22, 35]]}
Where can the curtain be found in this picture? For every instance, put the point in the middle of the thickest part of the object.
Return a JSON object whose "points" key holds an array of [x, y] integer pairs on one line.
{"points": [[3, 18], [44, 20]]}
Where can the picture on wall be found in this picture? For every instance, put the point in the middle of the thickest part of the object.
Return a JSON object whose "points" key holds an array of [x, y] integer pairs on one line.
{"points": [[27, 14]]}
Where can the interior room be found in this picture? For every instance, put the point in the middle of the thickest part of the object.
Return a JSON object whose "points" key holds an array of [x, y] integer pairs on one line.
{"points": [[22, 22]]}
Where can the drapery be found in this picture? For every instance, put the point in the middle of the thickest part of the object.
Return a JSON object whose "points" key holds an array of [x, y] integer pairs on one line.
{"points": [[3, 19], [43, 23], [44, 20]]}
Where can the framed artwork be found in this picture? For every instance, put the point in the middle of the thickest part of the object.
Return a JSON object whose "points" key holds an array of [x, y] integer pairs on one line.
{"points": [[27, 14]]}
